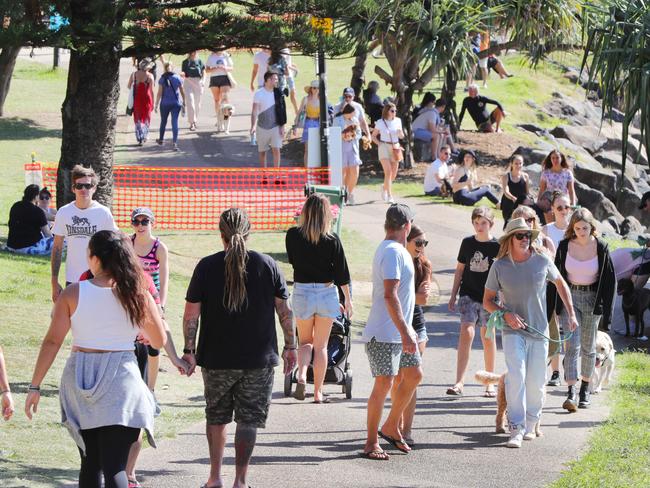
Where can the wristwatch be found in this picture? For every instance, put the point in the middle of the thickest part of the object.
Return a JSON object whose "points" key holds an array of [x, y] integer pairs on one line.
{"points": [[189, 351]]}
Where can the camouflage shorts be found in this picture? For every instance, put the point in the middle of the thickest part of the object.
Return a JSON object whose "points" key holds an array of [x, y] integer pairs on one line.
{"points": [[247, 392]]}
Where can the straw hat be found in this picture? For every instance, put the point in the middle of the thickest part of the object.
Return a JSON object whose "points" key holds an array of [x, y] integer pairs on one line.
{"points": [[515, 226], [313, 84]]}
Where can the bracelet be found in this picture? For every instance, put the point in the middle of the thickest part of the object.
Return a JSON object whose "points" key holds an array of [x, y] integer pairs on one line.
{"points": [[189, 351], [290, 348], [4, 391], [34, 388]]}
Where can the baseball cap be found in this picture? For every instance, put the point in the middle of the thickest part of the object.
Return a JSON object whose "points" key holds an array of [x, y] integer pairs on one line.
{"points": [[142, 211], [644, 199], [398, 215], [348, 91]]}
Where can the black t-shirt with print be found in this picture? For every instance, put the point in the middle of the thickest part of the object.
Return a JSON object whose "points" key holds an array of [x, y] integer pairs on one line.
{"points": [[478, 258], [242, 340], [25, 222]]}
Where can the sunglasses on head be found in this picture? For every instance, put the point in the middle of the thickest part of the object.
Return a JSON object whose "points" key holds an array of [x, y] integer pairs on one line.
{"points": [[421, 243], [83, 186], [44, 197], [143, 222], [520, 236]]}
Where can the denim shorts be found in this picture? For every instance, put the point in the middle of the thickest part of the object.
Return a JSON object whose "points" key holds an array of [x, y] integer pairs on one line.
{"points": [[311, 299]]}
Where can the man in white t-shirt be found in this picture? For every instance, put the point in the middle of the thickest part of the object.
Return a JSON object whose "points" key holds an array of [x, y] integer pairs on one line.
{"points": [[348, 98], [260, 66], [76, 223], [391, 342], [265, 126], [437, 174]]}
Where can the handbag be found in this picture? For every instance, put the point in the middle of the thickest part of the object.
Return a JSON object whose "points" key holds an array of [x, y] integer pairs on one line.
{"points": [[131, 100], [398, 151]]}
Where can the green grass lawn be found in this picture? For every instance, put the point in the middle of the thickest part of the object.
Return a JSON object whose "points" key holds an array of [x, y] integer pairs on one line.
{"points": [[620, 448]]}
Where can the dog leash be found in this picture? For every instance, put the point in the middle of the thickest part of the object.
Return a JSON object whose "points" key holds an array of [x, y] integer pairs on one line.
{"points": [[497, 321]]}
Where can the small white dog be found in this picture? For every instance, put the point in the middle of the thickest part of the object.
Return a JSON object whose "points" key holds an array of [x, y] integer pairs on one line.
{"points": [[605, 362], [223, 117]]}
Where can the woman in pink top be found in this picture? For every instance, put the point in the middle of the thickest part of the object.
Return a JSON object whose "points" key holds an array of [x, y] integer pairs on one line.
{"points": [[584, 262]]}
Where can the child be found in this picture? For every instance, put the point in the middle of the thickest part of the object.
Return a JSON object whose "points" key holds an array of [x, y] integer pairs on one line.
{"points": [[153, 256], [350, 133], [475, 257]]}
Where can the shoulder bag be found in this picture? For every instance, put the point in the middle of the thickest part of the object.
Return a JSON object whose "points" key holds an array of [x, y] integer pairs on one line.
{"points": [[397, 149]]}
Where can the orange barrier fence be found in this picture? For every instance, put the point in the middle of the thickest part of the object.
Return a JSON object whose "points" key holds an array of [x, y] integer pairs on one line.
{"points": [[185, 198]]}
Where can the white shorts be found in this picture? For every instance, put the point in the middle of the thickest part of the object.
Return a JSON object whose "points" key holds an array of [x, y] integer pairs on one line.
{"points": [[268, 138], [482, 62], [386, 151]]}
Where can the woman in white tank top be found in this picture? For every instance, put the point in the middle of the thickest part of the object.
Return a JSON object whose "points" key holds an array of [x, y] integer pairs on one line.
{"points": [[561, 207], [104, 401]]}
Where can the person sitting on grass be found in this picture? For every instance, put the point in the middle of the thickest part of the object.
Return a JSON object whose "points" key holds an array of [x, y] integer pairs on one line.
{"points": [[437, 179], [475, 104], [29, 232], [465, 185], [44, 198], [475, 257]]}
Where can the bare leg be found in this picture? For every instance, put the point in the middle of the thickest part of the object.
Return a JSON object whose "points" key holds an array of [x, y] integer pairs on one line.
{"points": [[485, 74], [353, 178], [245, 437], [501, 70], [555, 362], [306, 340], [292, 97], [322, 328], [217, 444], [375, 408], [134, 452], [406, 423], [385, 165], [216, 95], [153, 364], [276, 156], [489, 354], [411, 378], [465, 340], [498, 116], [262, 159]]}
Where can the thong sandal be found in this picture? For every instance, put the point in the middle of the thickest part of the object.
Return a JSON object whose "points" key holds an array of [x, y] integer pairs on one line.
{"points": [[376, 455], [398, 444], [490, 393], [455, 390]]}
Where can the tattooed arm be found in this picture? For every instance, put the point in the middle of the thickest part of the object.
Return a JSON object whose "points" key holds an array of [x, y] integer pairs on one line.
{"points": [[190, 329], [285, 314]]}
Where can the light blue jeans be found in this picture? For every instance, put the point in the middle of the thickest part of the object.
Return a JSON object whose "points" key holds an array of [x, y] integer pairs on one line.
{"points": [[526, 362]]}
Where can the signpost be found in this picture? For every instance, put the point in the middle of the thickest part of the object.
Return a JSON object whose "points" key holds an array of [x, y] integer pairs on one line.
{"points": [[324, 27]]}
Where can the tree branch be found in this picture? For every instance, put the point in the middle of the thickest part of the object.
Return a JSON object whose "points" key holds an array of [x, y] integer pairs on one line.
{"points": [[381, 72]]}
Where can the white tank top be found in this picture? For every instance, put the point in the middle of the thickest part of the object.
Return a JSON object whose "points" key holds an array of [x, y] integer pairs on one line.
{"points": [[554, 233], [100, 321], [581, 272]]}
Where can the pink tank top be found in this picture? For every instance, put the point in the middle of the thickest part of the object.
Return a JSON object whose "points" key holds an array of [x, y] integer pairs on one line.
{"points": [[582, 272]]}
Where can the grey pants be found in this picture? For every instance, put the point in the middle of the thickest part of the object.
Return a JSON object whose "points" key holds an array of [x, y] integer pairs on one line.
{"points": [[582, 344]]}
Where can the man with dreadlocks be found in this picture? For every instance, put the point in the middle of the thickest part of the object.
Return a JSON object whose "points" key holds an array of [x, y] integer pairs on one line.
{"points": [[236, 292]]}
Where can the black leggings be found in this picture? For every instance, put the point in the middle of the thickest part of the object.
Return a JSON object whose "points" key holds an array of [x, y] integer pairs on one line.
{"points": [[107, 450]]}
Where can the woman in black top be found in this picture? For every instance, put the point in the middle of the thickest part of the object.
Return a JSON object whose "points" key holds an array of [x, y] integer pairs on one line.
{"points": [[415, 244], [28, 229], [319, 267], [515, 186]]}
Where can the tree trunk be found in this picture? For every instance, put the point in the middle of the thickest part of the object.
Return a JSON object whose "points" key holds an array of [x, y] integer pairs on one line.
{"points": [[8, 57], [357, 81], [449, 93], [89, 111]]}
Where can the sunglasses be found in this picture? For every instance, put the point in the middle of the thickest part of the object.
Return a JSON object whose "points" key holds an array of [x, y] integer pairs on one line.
{"points": [[530, 220], [392, 110], [43, 197], [143, 222], [520, 236], [83, 186], [563, 207], [421, 243]]}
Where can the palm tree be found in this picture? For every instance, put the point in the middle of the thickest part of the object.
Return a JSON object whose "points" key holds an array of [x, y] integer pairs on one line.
{"points": [[618, 41]]}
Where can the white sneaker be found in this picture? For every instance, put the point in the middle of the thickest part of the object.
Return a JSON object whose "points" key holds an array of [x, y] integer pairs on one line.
{"points": [[529, 436], [350, 199], [516, 437], [384, 195], [391, 200]]}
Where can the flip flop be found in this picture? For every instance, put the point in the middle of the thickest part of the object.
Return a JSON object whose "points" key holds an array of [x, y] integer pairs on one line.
{"points": [[376, 455], [134, 484], [490, 394], [396, 443], [325, 399], [409, 442], [455, 391]]}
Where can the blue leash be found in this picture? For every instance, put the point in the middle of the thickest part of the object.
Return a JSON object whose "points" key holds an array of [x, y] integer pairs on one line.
{"points": [[496, 321]]}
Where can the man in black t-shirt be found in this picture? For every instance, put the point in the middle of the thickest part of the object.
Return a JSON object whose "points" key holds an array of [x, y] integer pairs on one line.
{"points": [[475, 104], [475, 257], [236, 294], [28, 229]]}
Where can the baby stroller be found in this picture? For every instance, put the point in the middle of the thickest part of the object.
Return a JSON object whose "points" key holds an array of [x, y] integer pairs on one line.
{"points": [[338, 370]]}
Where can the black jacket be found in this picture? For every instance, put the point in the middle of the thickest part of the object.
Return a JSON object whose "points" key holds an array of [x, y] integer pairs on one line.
{"points": [[280, 107], [606, 279]]}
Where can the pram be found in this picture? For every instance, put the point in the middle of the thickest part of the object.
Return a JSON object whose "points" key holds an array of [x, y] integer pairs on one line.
{"points": [[338, 370]]}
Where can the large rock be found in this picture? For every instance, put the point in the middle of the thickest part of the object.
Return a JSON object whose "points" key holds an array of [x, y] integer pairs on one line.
{"points": [[531, 156], [588, 138], [566, 146], [628, 204], [631, 225], [580, 112], [627, 182], [607, 230], [613, 160], [534, 173], [600, 206], [592, 174]]}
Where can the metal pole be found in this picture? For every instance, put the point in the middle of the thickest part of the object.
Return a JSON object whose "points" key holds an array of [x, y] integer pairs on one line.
{"points": [[322, 95]]}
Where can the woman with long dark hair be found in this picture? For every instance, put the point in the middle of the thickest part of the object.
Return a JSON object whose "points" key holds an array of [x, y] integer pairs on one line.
{"points": [[104, 401], [515, 186], [557, 176], [466, 186], [416, 242], [319, 268]]}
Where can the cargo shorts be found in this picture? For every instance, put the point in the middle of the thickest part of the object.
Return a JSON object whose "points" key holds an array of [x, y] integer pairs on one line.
{"points": [[246, 392]]}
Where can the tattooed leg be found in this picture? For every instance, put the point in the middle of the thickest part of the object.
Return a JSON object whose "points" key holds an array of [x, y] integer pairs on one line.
{"points": [[245, 437]]}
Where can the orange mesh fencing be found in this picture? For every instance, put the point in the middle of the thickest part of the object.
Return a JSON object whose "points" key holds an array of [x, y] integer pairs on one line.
{"points": [[185, 198]]}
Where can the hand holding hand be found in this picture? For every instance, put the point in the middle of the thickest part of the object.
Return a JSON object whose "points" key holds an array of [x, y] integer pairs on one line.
{"points": [[182, 366], [190, 359]]}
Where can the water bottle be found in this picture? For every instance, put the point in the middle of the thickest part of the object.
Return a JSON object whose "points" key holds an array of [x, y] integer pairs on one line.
{"points": [[253, 140]]}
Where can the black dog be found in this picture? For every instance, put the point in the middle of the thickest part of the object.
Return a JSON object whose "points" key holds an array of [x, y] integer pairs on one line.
{"points": [[635, 302]]}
